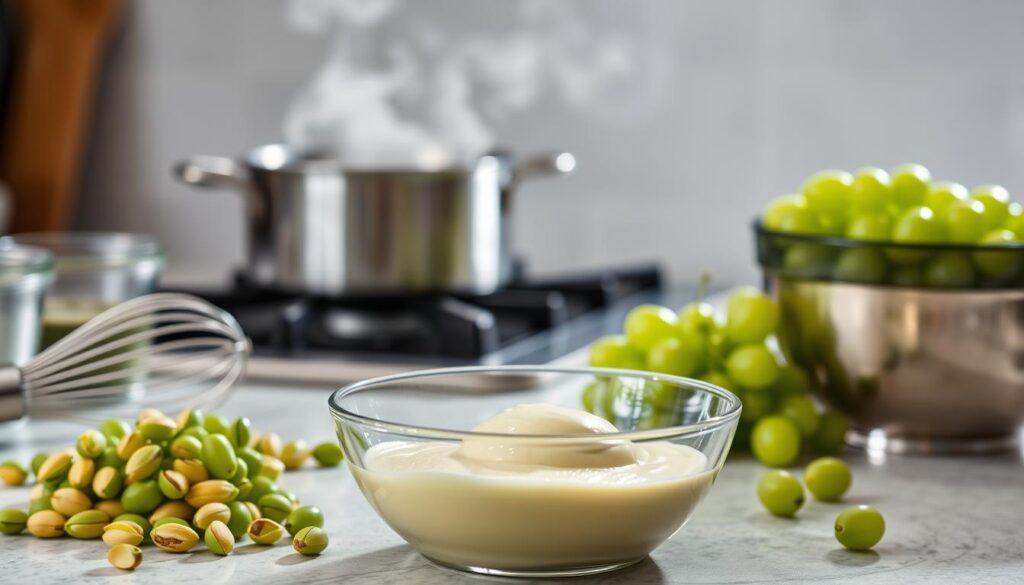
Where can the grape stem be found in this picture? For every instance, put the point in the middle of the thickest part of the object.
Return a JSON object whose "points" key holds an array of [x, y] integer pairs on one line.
{"points": [[702, 287]]}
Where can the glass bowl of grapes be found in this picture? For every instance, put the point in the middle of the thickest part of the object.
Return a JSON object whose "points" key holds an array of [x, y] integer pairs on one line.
{"points": [[903, 299]]}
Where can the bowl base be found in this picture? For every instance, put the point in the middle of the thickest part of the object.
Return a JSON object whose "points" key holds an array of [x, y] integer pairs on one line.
{"points": [[540, 573], [879, 440]]}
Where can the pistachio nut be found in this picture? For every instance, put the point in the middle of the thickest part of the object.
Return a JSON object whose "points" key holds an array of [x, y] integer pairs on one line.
{"points": [[86, 525], [197, 432], [123, 532], [210, 512], [173, 509], [46, 524], [265, 531], [190, 417], [311, 540], [240, 432], [328, 454], [40, 491], [110, 458], [129, 444], [261, 486], [215, 423], [55, 468], [39, 506], [211, 490], [173, 484], [143, 463], [173, 537], [158, 428], [81, 473], [107, 483], [138, 520], [219, 456], [219, 538], [270, 444], [275, 506], [37, 461], [171, 520], [142, 497], [113, 508], [300, 518], [193, 470], [295, 454], [113, 429], [12, 521], [125, 556], [12, 473], [186, 447], [240, 519], [146, 414], [244, 487], [253, 460], [254, 510], [272, 467], [70, 501], [91, 444]]}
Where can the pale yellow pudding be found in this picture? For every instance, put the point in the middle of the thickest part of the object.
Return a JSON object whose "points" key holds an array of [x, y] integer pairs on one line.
{"points": [[529, 504]]}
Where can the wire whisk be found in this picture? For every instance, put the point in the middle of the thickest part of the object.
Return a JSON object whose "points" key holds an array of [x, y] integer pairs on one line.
{"points": [[165, 351]]}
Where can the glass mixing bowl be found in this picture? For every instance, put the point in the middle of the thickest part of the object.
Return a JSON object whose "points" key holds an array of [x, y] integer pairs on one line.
{"points": [[507, 522], [24, 275]]}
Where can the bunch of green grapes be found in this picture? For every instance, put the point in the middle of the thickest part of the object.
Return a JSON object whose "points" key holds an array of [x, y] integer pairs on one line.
{"points": [[902, 206], [779, 417]]}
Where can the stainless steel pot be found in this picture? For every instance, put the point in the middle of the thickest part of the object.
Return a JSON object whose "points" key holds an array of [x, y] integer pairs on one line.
{"points": [[316, 226]]}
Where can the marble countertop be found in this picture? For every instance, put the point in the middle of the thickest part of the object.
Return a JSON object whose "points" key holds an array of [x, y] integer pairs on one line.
{"points": [[953, 520]]}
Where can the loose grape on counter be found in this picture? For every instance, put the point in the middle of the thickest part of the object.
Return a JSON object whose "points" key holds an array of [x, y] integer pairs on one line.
{"points": [[779, 418]]}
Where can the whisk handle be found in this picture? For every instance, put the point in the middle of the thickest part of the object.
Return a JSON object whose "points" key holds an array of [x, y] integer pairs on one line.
{"points": [[12, 399]]}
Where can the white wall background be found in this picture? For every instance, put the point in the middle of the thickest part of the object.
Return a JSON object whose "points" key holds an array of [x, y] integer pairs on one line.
{"points": [[758, 95]]}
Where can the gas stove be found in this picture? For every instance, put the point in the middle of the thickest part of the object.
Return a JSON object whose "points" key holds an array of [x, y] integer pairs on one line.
{"points": [[330, 340]]}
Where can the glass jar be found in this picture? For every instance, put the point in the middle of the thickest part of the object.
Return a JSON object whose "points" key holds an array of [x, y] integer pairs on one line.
{"points": [[94, 271], [24, 275]]}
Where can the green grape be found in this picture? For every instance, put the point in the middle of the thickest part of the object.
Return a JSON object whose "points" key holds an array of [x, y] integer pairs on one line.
{"points": [[775, 441], [752, 366], [965, 221], [648, 324], [756, 405], [792, 380], [750, 316], [808, 260], [943, 194], [908, 276], [795, 220], [780, 208], [676, 357], [780, 493], [831, 432], [917, 225], [614, 351], [996, 200], [828, 193], [697, 320], [999, 264], [663, 397], [802, 412], [589, 396], [860, 265], [876, 228], [871, 192], [1015, 220], [828, 478], [719, 346], [860, 527], [909, 185], [949, 270], [719, 379]]}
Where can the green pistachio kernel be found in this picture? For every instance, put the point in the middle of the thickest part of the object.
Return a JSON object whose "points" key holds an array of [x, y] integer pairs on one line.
{"points": [[311, 540], [261, 486], [328, 454], [197, 432], [253, 460], [142, 497], [240, 432], [12, 521], [190, 417], [186, 447], [265, 531], [219, 538], [241, 517], [91, 444], [302, 517], [244, 487], [109, 458], [37, 461], [275, 506], [86, 525], [216, 424], [39, 506], [158, 428], [113, 429], [241, 472], [219, 456]]}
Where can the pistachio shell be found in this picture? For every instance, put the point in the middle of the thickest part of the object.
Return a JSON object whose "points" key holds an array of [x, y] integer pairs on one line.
{"points": [[129, 444], [125, 556], [219, 539], [55, 468], [70, 501], [86, 525], [158, 428], [192, 469], [211, 512], [265, 531], [212, 490], [123, 532], [173, 484], [189, 417], [173, 537], [143, 463], [46, 524], [173, 509], [113, 508], [107, 483], [186, 447], [12, 521], [270, 444], [311, 540], [295, 454], [12, 473], [81, 473], [91, 444], [272, 467]]}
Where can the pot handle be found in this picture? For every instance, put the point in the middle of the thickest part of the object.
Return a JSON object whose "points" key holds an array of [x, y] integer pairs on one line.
{"points": [[211, 171]]}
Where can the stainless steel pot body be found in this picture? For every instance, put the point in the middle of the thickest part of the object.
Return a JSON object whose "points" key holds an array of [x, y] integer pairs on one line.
{"points": [[915, 369], [315, 226]]}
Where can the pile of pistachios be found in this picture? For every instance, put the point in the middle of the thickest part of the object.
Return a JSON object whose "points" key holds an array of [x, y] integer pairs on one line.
{"points": [[172, 482]]}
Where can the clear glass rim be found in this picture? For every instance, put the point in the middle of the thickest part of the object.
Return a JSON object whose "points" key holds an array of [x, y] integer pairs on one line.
{"points": [[708, 425], [88, 250], [30, 266], [844, 242]]}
